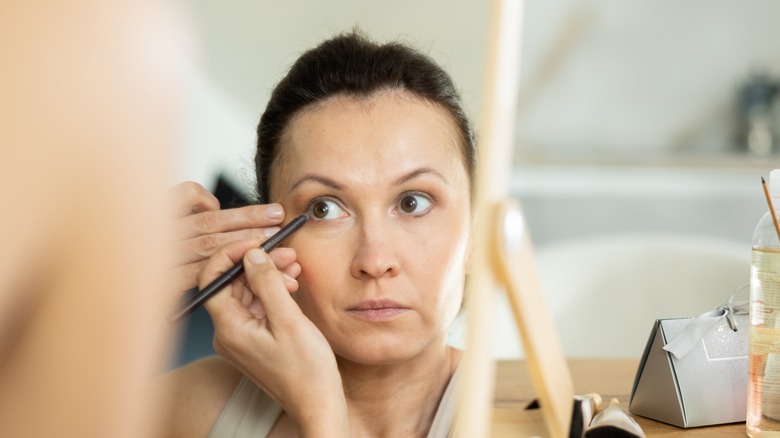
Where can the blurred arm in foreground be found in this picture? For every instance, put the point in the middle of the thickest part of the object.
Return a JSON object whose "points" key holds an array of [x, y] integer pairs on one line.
{"points": [[90, 93]]}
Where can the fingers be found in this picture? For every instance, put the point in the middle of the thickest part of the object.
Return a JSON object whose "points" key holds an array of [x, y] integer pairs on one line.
{"points": [[220, 221], [202, 228], [269, 287], [262, 290], [245, 294], [224, 259], [185, 277], [202, 247], [190, 197], [257, 309], [285, 261]]}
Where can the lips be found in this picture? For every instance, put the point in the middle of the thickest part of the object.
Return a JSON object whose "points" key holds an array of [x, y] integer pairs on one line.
{"points": [[378, 310]]}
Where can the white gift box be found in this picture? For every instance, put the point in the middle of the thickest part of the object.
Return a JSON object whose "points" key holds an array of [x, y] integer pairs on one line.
{"points": [[694, 370]]}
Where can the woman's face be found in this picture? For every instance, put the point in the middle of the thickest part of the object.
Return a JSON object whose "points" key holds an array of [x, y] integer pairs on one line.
{"points": [[384, 254]]}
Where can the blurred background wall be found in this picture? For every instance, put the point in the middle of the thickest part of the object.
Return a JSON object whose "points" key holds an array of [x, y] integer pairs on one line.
{"points": [[247, 46], [634, 117]]}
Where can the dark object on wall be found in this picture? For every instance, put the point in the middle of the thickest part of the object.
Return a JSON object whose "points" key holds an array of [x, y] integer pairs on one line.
{"points": [[759, 115], [228, 195]]}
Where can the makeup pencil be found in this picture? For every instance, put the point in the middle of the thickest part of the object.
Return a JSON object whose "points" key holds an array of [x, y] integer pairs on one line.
{"points": [[231, 274]]}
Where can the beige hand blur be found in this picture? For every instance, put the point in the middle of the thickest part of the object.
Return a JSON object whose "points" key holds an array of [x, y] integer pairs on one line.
{"points": [[262, 331], [200, 228]]}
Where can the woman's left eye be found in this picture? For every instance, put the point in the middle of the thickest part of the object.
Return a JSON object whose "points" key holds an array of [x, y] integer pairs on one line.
{"points": [[415, 204]]}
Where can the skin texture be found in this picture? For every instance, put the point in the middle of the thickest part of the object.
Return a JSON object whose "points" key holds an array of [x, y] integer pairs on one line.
{"points": [[359, 347]]}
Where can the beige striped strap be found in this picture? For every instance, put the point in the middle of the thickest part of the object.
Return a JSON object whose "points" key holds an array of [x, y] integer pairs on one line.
{"points": [[250, 412], [445, 413]]}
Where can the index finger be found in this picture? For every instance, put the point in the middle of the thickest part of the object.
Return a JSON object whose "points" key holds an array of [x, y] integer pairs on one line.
{"points": [[209, 222], [190, 197]]}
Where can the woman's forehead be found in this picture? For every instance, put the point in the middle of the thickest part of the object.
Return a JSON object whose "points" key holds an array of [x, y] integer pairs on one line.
{"points": [[388, 133]]}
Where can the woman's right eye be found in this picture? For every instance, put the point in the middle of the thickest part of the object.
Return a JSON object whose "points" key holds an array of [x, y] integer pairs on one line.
{"points": [[326, 209]]}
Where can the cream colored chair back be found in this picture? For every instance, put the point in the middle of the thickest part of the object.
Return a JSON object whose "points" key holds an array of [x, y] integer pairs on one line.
{"points": [[606, 292]]}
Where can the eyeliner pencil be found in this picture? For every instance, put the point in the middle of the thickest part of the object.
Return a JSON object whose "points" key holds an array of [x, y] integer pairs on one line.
{"points": [[771, 207], [231, 274]]}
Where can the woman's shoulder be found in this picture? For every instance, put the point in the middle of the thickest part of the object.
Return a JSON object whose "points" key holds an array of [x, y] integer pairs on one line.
{"points": [[194, 395]]}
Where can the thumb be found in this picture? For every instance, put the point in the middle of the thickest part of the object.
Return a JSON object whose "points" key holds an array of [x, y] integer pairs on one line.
{"points": [[223, 305], [267, 284]]}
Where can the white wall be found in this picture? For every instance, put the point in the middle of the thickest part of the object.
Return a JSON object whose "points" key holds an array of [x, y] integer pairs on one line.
{"points": [[661, 75], [247, 46], [610, 76]]}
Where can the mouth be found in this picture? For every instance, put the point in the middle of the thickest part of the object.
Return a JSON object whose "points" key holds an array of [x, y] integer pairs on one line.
{"points": [[378, 310]]}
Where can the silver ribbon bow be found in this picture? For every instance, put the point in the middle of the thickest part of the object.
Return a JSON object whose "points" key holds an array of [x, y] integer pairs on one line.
{"points": [[696, 329]]}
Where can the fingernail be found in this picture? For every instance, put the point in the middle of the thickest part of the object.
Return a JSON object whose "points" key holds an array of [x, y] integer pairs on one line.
{"points": [[256, 256], [274, 211], [271, 231]]}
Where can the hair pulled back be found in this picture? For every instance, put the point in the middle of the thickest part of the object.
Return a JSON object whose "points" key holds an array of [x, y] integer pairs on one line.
{"points": [[351, 65]]}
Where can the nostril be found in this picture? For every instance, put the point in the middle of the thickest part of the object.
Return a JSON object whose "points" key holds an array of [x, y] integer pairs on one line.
{"points": [[374, 265]]}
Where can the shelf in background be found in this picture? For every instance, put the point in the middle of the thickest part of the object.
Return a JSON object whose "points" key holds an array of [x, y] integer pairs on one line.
{"points": [[687, 160], [719, 176], [717, 198]]}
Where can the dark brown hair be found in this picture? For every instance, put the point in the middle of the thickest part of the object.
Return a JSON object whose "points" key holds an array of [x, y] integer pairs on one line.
{"points": [[351, 65]]}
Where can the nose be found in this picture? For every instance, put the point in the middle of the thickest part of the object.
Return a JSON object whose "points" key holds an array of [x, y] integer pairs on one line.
{"points": [[375, 256]]}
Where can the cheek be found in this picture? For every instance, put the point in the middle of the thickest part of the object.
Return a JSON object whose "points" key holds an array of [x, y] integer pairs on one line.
{"points": [[453, 276], [319, 269], [453, 285], [443, 265], [449, 239]]}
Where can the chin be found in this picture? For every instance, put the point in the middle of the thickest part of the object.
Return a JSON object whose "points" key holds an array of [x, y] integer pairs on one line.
{"points": [[373, 351], [376, 359]]}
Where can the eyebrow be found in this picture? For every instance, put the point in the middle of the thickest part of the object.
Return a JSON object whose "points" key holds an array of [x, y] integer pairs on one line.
{"points": [[416, 173], [317, 178], [336, 186]]}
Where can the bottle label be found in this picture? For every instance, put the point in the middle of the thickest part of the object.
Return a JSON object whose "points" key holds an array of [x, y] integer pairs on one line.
{"points": [[764, 363]]}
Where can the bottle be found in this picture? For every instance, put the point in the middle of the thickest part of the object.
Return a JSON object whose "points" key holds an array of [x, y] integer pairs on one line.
{"points": [[757, 109], [763, 397]]}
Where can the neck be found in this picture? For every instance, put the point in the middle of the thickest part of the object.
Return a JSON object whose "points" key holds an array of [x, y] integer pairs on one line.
{"points": [[397, 399]]}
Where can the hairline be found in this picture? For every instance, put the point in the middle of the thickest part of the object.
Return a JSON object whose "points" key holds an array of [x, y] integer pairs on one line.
{"points": [[460, 143]]}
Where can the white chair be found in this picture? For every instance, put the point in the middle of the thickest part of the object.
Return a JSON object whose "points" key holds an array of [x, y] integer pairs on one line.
{"points": [[605, 292]]}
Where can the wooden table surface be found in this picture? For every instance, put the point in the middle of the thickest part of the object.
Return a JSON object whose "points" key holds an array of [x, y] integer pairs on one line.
{"points": [[611, 378]]}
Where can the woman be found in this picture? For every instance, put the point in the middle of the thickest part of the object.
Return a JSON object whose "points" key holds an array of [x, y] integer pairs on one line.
{"points": [[371, 141]]}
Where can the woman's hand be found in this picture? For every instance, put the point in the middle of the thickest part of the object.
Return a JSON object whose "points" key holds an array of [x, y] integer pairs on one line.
{"points": [[200, 228], [262, 331]]}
